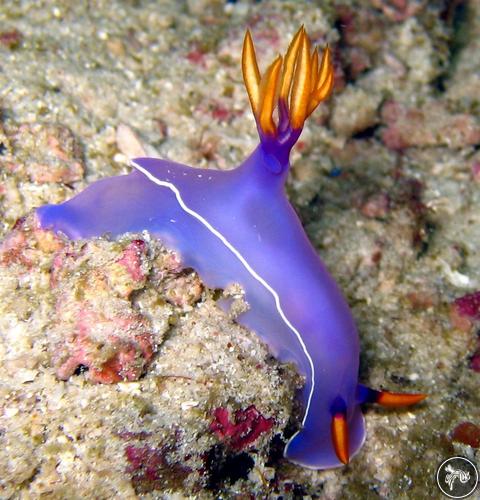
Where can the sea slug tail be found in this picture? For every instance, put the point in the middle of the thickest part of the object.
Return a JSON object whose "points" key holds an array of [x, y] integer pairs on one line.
{"points": [[387, 398]]}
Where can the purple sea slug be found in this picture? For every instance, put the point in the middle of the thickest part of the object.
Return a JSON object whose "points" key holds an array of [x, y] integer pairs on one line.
{"points": [[237, 226]]}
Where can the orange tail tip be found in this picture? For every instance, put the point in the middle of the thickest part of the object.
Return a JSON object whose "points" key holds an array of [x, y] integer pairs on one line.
{"points": [[387, 398], [397, 399], [340, 437], [300, 80]]}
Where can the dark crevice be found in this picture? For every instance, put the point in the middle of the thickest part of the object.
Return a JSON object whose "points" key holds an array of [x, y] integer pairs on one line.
{"points": [[275, 452], [456, 17], [223, 467], [80, 369], [367, 133]]}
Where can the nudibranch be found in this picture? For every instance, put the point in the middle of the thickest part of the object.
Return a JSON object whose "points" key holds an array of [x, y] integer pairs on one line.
{"points": [[237, 226]]}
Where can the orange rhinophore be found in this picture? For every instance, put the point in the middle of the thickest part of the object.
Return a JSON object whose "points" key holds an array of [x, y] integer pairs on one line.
{"points": [[340, 437], [294, 84]]}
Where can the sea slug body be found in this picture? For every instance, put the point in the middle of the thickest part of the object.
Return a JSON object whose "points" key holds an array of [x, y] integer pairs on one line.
{"points": [[238, 227]]}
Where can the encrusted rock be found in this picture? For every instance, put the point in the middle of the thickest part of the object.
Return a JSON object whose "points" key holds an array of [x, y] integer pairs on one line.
{"points": [[44, 152]]}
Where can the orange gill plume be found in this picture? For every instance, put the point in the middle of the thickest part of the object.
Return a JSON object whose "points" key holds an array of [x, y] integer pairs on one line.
{"points": [[297, 82]]}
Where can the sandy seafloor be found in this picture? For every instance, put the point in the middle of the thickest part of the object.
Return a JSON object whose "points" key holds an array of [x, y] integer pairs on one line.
{"points": [[386, 179]]}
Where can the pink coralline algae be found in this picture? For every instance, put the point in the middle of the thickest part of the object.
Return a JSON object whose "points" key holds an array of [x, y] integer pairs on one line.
{"points": [[467, 433], [11, 39], [218, 110], [197, 56], [399, 10], [463, 313], [132, 259], [151, 468], [430, 125], [465, 310], [95, 343], [476, 171], [377, 205], [97, 327], [25, 244], [469, 305], [248, 425]]}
